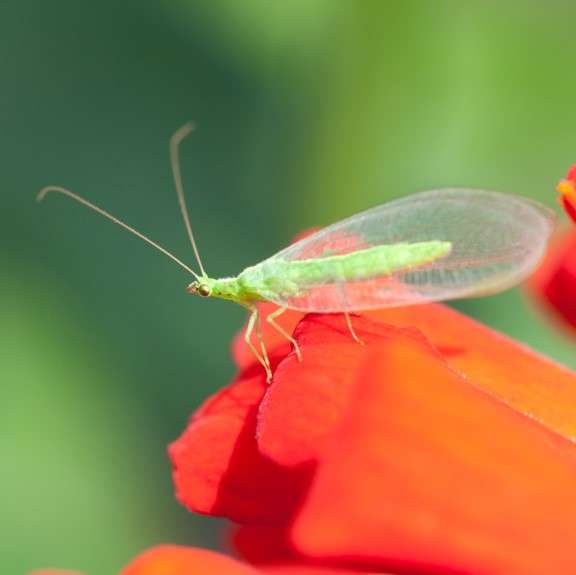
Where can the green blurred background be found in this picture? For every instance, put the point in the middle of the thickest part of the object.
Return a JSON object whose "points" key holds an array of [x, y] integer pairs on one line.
{"points": [[307, 111]]}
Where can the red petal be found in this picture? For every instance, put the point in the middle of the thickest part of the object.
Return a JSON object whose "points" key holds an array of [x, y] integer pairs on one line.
{"points": [[554, 283], [218, 469], [429, 470], [175, 560], [567, 190], [306, 400], [569, 207], [523, 379]]}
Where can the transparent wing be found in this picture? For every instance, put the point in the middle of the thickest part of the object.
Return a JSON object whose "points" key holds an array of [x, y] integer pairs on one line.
{"points": [[497, 240]]}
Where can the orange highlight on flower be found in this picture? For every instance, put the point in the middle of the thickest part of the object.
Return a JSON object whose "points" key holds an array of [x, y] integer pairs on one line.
{"points": [[178, 560], [567, 190]]}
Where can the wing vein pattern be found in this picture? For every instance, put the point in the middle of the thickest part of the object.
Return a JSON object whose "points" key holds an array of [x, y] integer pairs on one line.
{"points": [[431, 246]]}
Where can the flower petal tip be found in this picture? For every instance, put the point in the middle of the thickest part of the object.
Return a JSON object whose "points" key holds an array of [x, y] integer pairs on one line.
{"points": [[567, 190]]}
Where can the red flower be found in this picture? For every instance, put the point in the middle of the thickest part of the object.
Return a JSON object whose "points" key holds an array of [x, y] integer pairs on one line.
{"points": [[554, 283], [439, 446], [567, 190]]}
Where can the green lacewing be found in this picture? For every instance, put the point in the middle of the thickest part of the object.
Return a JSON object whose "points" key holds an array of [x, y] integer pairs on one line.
{"points": [[430, 246]]}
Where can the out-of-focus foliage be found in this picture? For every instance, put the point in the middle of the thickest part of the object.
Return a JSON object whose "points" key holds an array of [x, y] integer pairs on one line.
{"points": [[269, 37], [307, 112]]}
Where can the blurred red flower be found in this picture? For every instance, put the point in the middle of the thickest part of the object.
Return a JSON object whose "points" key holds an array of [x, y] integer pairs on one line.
{"points": [[439, 446], [554, 283], [567, 190]]}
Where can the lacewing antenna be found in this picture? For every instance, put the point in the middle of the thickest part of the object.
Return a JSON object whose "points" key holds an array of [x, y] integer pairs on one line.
{"points": [[175, 142], [58, 189]]}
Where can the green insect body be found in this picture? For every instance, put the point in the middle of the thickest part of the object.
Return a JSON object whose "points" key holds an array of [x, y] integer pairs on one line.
{"points": [[432, 246], [280, 278]]}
